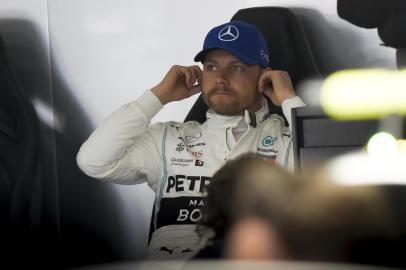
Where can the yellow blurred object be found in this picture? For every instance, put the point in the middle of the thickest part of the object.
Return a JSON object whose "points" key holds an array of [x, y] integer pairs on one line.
{"points": [[382, 145], [383, 164], [364, 94], [402, 146], [360, 168]]}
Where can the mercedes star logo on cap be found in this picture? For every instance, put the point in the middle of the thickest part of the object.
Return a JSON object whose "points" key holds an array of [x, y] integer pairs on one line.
{"points": [[228, 33]]}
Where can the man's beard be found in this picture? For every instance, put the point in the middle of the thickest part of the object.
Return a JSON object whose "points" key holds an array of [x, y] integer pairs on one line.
{"points": [[234, 107]]}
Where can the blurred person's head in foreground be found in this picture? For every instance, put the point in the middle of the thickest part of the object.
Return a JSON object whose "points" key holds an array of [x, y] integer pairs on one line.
{"points": [[264, 212], [227, 203]]}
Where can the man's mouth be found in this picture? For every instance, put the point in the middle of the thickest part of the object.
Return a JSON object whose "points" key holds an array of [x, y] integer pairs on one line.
{"points": [[221, 92]]}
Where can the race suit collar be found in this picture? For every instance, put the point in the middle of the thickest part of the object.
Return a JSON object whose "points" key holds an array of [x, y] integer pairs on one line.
{"points": [[216, 120]]}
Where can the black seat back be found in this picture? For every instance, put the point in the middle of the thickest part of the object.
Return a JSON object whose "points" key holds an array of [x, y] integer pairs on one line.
{"points": [[389, 17], [19, 144], [21, 176]]}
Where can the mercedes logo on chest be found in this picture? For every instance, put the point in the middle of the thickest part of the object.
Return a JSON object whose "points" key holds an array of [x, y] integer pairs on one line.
{"points": [[229, 33]]}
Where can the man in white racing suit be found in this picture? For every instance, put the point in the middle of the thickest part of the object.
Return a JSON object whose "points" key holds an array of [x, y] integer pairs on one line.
{"points": [[177, 160]]}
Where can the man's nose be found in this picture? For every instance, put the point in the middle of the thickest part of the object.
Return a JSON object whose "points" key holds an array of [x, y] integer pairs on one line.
{"points": [[221, 78]]}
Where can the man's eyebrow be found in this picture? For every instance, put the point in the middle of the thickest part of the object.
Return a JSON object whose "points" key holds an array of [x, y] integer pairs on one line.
{"points": [[208, 60], [231, 63], [237, 62]]}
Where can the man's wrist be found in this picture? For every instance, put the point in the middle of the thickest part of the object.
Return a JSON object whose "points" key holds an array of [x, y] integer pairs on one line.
{"points": [[159, 93], [294, 101], [149, 103]]}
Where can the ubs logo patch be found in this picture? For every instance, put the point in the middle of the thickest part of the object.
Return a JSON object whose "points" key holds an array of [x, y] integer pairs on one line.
{"points": [[199, 162]]}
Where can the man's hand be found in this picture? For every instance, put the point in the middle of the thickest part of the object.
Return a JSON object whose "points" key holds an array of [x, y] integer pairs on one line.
{"points": [[178, 84], [276, 85]]}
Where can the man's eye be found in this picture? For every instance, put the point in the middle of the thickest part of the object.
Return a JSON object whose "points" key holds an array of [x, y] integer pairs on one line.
{"points": [[210, 67], [238, 68]]}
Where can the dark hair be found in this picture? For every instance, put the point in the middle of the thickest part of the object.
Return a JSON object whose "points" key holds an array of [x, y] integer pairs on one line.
{"points": [[352, 224], [247, 185], [314, 218]]}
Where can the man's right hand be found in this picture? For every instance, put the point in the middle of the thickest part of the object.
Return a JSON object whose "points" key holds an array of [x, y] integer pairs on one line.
{"points": [[178, 84]]}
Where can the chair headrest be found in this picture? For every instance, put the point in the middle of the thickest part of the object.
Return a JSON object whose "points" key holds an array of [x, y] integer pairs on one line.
{"points": [[288, 45], [388, 16], [365, 13]]}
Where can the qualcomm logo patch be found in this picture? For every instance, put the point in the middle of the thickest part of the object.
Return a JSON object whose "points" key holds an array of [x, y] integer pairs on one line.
{"points": [[268, 141], [228, 33]]}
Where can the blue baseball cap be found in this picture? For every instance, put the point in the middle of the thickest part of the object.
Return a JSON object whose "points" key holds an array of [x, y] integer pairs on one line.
{"points": [[241, 39]]}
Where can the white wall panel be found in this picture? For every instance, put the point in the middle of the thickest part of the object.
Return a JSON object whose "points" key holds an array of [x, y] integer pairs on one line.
{"points": [[111, 51]]}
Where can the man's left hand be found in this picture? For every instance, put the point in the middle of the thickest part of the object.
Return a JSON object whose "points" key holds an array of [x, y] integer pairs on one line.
{"points": [[276, 85]]}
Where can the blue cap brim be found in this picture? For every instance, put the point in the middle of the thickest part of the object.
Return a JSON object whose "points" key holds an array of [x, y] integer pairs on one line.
{"points": [[245, 59]]}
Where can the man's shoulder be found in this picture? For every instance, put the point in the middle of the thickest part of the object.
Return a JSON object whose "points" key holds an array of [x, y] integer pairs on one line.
{"points": [[272, 118]]}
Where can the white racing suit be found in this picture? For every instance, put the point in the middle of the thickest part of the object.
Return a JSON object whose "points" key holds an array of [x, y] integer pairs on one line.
{"points": [[177, 161]]}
